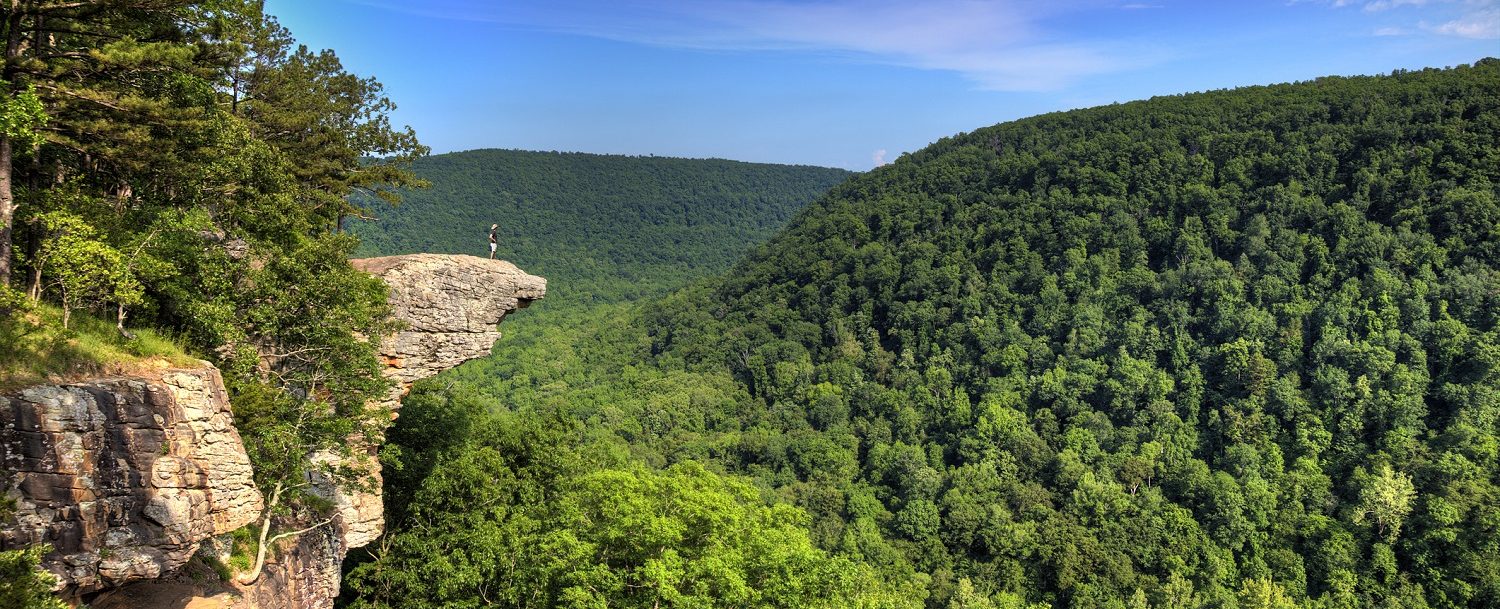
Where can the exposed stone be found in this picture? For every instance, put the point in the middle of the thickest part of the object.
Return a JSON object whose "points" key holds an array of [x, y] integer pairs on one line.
{"points": [[123, 477], [127, 477], [450, 306], [360, 515]]}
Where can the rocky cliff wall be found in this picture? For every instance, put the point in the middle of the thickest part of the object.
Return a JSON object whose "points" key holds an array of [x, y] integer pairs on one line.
{"points": [[123, 477], [127, 477], [450, 305]]}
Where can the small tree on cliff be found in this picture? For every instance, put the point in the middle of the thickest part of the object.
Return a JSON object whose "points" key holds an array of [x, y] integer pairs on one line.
{"points": [[22, 582], [305, 379]]}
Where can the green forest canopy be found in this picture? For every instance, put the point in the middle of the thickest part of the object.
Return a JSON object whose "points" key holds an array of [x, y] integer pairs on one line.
{"points": [[601, 228], [1227, 349]]}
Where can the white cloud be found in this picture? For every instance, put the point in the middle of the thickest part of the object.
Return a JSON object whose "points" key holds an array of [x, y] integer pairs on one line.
{"points": [[1464, 18], [878, 157], [998, 44], [1385, 5], [1376, 6], [1482, 24]]}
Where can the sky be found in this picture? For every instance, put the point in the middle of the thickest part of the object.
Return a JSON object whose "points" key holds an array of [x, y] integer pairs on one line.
{"points": [[840, 83]]}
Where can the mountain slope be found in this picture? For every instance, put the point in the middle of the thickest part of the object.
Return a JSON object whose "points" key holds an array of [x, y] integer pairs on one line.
{"points": [[1229, 349], [1241, 338], [602, 227]]}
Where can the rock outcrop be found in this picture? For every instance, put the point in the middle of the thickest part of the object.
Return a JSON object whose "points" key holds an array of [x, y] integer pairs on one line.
{"points": [[126, 477], [450, 305], [123, 477]]}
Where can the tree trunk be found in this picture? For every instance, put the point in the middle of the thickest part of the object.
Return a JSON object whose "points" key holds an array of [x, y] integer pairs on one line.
{"points": [[32, 249], [13, 33], [66, 305], [7, 209], [265, 529], [120, 322]]}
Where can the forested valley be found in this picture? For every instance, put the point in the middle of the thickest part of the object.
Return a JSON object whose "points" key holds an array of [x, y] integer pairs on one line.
{"points": [[603, 228], [1225, 349], [1237, 349]]}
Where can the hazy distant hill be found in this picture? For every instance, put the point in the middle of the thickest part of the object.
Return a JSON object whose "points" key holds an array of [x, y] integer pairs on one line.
{"points": [[600, 227]]}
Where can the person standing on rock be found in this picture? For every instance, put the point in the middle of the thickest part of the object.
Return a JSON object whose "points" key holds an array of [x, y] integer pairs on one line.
{"points": [[494, 242]]}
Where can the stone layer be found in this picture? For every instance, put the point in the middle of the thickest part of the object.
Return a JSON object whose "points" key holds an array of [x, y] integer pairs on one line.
{"points": [[450, 305], [126, 477], [123, 477]]}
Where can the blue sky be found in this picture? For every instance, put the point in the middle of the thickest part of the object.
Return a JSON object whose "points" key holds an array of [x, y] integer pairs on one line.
{"points": [[840, 83]]}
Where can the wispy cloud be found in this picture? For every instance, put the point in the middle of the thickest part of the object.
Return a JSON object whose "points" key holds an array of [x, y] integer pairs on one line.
{"points": [[998, 44], [1385, 5], [1375, 6], [1464, 18], [1484, 25], [878, 157]]}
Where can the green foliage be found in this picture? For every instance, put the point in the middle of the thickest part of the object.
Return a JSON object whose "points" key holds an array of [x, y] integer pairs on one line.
{"points": [[330, 121], [1264, 594], [1386, 500], [1230, 349], [601, 228], [21, 114], [87, 271], [192, 176], [516, 514], [23, 583], [242, 550]]}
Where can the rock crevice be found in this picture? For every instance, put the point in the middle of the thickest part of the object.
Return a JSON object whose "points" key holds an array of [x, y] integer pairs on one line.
{"points": [[124, 477]]}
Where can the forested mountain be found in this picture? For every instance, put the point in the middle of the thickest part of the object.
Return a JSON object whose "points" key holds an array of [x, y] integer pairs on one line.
{"points": [[603, 228], [1227, 349]]}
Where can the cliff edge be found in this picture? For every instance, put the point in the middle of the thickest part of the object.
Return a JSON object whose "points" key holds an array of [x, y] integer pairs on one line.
{"points": [[450, 305], [126, 477]]}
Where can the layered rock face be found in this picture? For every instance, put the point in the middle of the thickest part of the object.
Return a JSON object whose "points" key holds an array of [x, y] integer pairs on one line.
{"points": [[450, 305], [124, 477]]}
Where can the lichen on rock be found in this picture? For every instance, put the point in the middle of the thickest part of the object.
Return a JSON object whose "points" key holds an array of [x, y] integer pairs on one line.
{"points": [[123, 477]]}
